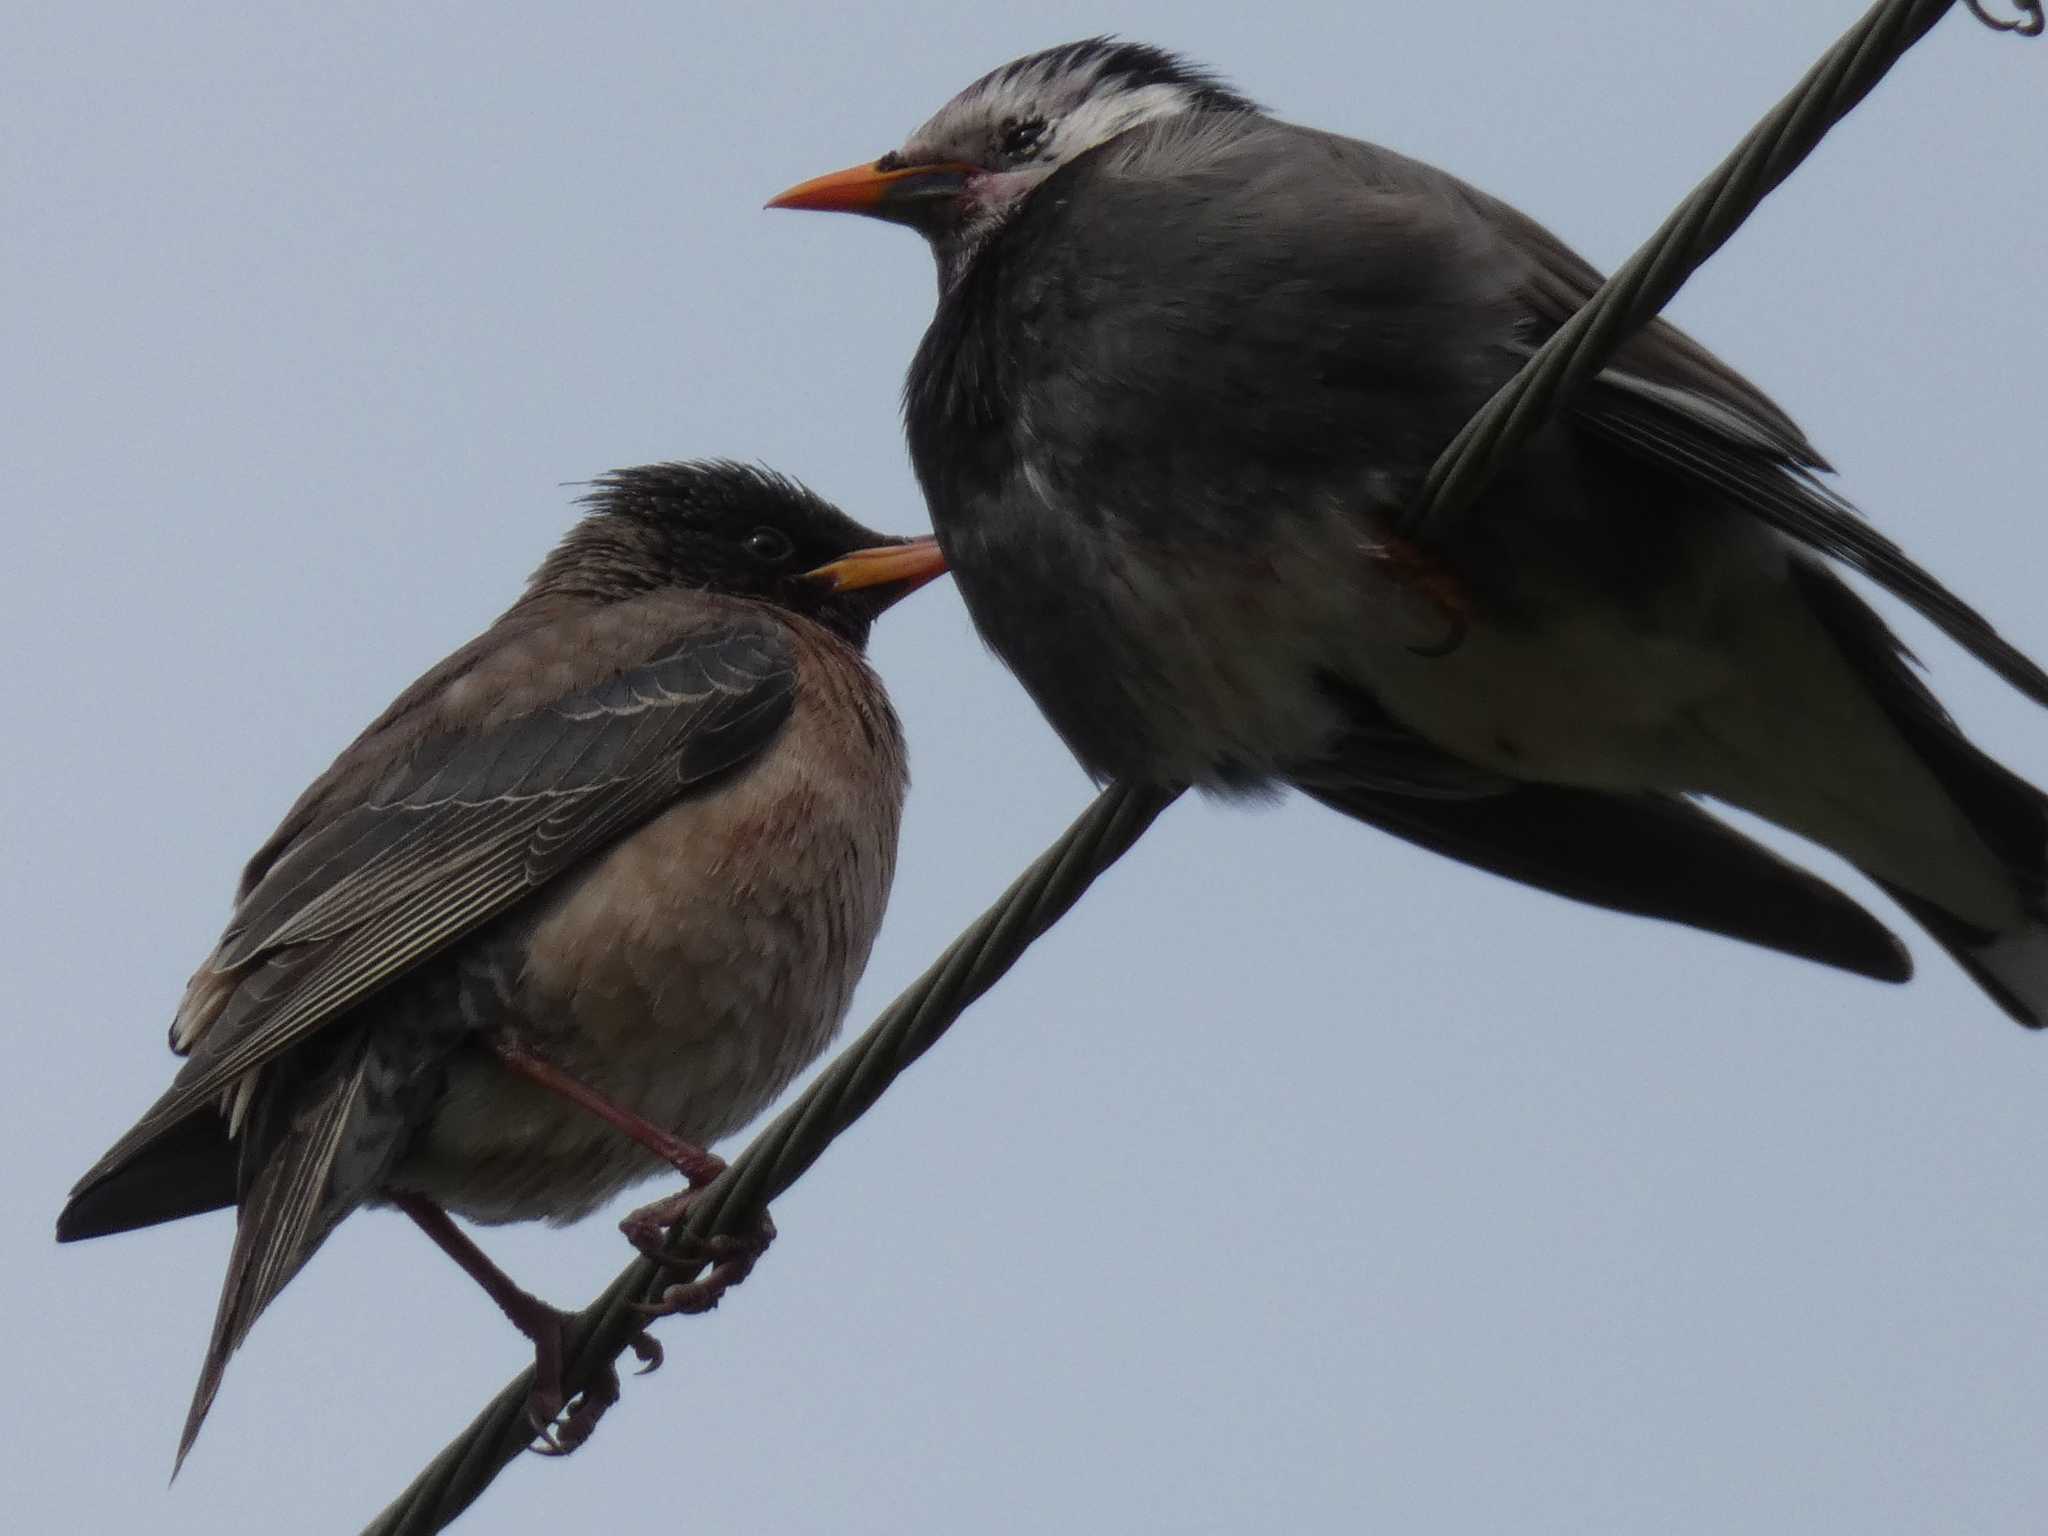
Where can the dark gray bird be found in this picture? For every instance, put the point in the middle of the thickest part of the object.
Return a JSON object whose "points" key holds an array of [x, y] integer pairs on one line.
{"points": [[581, 901], [1189, 369]]}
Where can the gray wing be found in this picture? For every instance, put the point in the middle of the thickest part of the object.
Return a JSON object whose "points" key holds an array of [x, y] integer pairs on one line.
{"points": [[1705, 439], [468, 828], [1648, 854], [1669, 401], [1405, 298]]}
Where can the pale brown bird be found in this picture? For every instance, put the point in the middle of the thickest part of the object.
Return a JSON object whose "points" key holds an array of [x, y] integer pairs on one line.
{"points": [[583, 900]]}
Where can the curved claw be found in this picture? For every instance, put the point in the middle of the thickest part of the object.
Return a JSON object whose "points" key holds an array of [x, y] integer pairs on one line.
{"points": [[1454, 636], [556, 1432], [544, 1404], [543, 1426], [648, 1348], [648, 1227], [591, 1405], [1436, 583]]}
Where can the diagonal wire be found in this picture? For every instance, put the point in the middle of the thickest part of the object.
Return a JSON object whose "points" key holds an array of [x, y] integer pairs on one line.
{"points": [[794, 1140], [1697, 228], [1043, 894]]}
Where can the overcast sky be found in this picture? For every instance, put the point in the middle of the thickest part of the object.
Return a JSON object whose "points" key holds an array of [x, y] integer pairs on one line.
{"points": [[1299, 1182]]}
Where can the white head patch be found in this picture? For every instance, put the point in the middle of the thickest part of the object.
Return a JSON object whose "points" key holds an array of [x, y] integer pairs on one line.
{"points": [[1042, 110]]}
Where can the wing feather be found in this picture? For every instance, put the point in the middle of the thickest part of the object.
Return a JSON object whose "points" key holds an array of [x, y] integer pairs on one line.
{"points": [[1698, 438], [1669, 400], [470, 827]]}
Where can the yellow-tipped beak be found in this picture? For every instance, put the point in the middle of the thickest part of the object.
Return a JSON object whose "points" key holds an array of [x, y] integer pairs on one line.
{"points": [[908, 566], [895, 195]]}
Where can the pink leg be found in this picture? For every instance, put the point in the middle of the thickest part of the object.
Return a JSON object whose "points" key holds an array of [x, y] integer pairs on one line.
{"points": [[731, 1259], [544, 1325], [688, 1159]]}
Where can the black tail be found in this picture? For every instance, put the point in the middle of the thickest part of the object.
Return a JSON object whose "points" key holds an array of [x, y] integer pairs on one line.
{"points": [[2007, 813], [187, 1171], [292, 1200]]}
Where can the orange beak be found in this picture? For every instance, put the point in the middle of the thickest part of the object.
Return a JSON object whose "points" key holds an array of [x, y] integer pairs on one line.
{"points": [[900, 196], [907, 566]]}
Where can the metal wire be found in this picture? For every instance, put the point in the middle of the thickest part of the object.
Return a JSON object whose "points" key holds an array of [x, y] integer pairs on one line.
{"points": [[1698, 228], [1042, 895], [796, 1138]]}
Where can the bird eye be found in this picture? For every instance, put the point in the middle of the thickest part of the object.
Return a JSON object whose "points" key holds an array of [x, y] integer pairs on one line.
{"points": [[770, 546], [1019, 136]]}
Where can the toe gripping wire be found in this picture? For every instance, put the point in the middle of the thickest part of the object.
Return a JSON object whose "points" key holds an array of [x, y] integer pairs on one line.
{"points": [[732, 1204], [980, 956]]}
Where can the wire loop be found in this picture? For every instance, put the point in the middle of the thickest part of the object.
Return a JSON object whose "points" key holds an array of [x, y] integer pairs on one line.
{"points": [[2028, 23]]}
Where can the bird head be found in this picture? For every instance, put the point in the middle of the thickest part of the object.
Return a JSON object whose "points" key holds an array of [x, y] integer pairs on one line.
{"points": [[740, 530], [959, 176]]}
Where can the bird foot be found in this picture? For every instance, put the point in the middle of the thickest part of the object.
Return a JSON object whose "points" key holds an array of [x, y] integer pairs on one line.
{"points": [[560, 1423], [730, 1257], [546, 1328], [1423, 573]]}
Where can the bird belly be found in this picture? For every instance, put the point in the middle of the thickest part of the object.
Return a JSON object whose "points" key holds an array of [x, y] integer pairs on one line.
{"points": [[1173, 662], [1582, 703], [1245, 650], [1733, 691], [670, 984]]}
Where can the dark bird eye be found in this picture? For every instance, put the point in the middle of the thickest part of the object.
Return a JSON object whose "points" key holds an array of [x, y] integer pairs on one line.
{"points": [[1019, 136], [770, 546]]}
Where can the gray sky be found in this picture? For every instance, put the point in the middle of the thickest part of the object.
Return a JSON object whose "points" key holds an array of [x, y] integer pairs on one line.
{"points": [[1300, 1181]]}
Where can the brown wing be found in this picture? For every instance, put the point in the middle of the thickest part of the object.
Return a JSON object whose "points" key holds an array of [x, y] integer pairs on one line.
{"points": [[473, 825]]}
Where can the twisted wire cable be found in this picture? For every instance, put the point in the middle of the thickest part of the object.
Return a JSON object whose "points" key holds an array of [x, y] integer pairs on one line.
{"points": [[795, 1139], [975, 961], [1696, 229]]}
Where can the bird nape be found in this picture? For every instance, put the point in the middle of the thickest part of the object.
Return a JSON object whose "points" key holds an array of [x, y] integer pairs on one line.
{"points": [[505, 958], [1188, 373]]}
